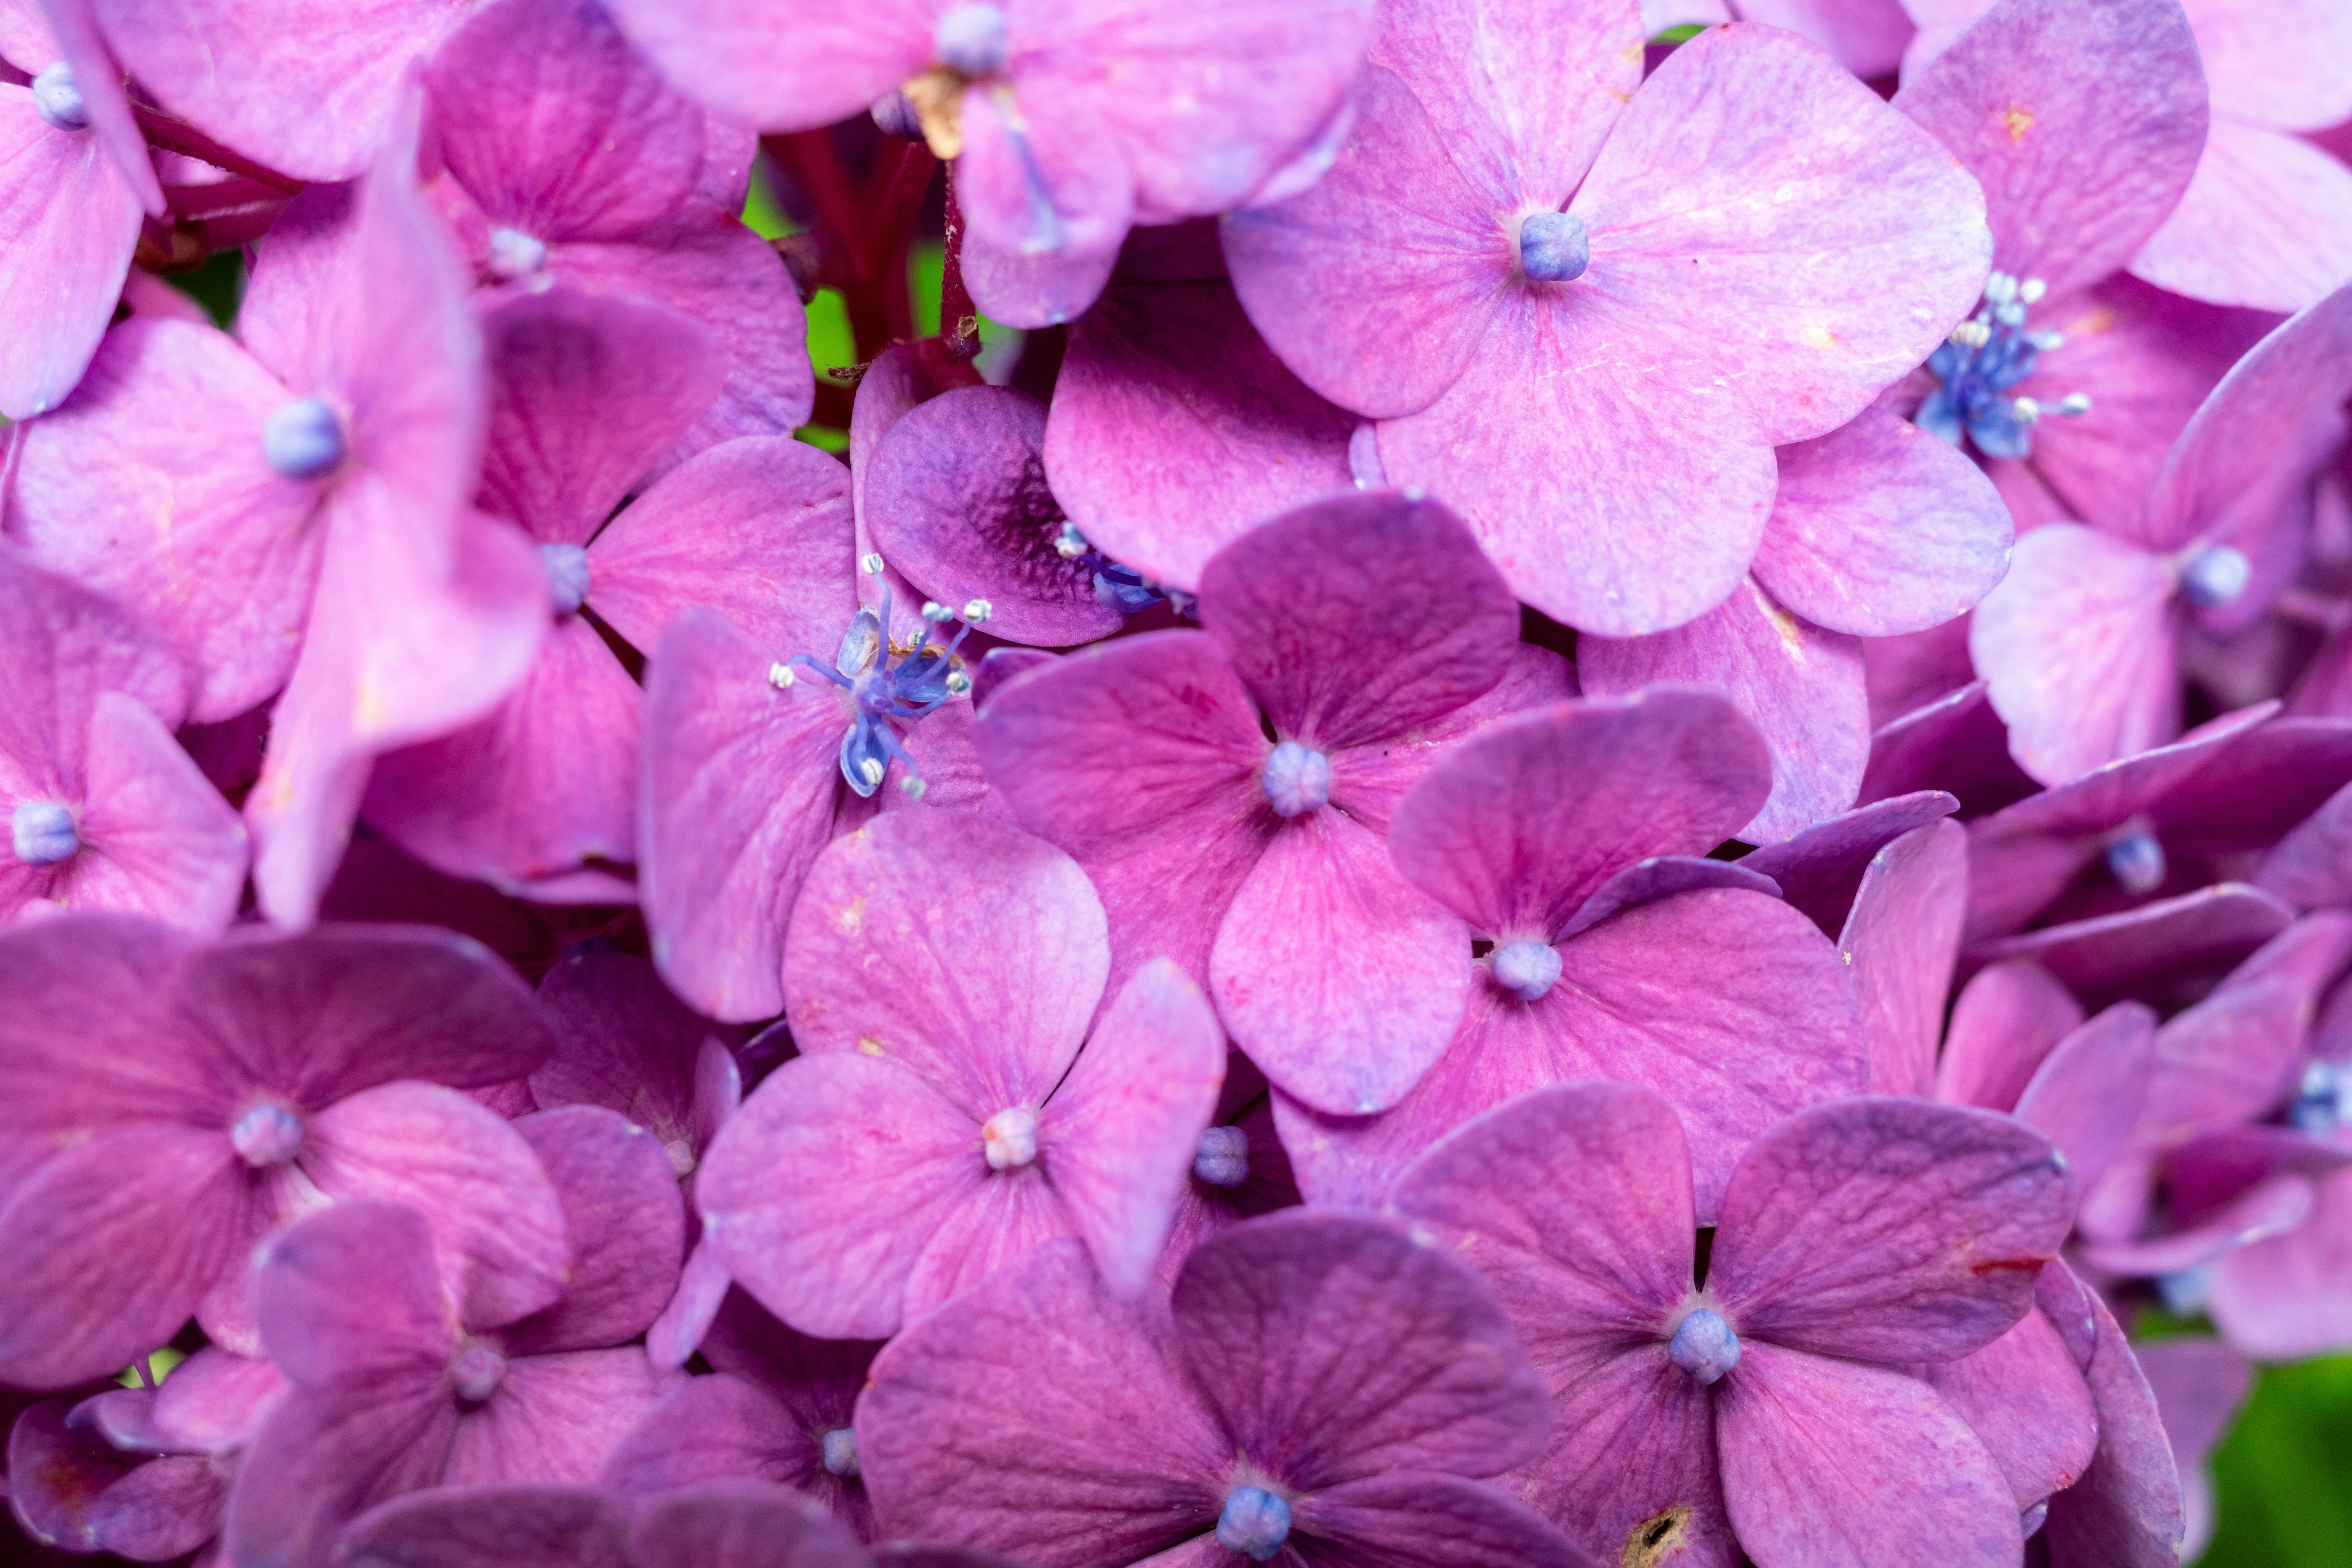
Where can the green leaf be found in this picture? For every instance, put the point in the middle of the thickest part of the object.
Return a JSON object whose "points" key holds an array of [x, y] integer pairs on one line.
{"points": [[2286, 1472], [1680, 34]]}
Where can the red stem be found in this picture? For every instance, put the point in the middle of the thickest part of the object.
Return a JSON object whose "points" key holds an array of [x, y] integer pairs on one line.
{"points": [[179, 136]]}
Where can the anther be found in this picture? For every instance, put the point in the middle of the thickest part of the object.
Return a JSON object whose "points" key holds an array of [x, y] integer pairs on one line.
{"points": [[2025, 410], [1297, 779], [2032, 290], [302, 438], [2136, 862], [567, 575], [937, 613], [959, 684], [780, 675], [58, 100], [266, 1135], [1703, 1345], [894, 115], [971, 40], [1553, 247], [975, 611], [1221, 1157], [1254, 1522], [871, 770], [870, 564], [42, 833], [514, 253], [2215, 576], [840, 1447], [2075, 404], [1009, 1138], [1527, 970]]}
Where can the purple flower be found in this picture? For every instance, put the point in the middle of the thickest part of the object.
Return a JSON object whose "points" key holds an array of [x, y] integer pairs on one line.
{"points": [[2127, 1508], [74, 1483], [1226, 788], [1323, 1388], [1067, 121], [941, 974], [71, 218], [104, 810], [1754, 1393], [1569, 843], [291, 511], [1573, 374], [563, 158], [167, 1105], [396, 1386]]}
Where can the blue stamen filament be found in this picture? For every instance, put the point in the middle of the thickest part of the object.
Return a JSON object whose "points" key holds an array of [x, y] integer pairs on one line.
{"points": [[889, 685], [1122, 585], [1986, 355]]}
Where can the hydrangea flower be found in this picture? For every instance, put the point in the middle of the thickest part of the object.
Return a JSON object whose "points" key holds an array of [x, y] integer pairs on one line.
{"points": [[1526, 284], [944, 977], [170, 1103], [1750, 1398], [1323, 1387], [75, 1482]]}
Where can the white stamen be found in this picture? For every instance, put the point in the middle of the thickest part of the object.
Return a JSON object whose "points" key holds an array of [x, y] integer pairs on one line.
{"points": [[978, 610], [780, 675], [871, 563]]}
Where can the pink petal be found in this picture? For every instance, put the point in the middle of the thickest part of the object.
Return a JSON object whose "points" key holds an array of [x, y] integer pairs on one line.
{"points": [[624, 1041], [2083, 123], [708, 1428], [160, 1510], [2087, 1097], [736, 1523], [1342, 981], [1029, 291], [2076, 645], [354, 1292], [686, 1318], [2230, 1059], [1955, 739], [1800, 687], [2199, 1386], [439, 1152], [157, 838], [554, 1417], [1174, 428], [1333, 1347], [151, 487], [2126, 1510], [1442, 1520], [323, 1459], [1819, 869], [72, 222], [72, 32], [1807, 1442], [215, 1400], [627, 1227], [2267, 222], [2022, 1396], [2260, 786], [1039, 178], [1888, 1229], [1662, 876], [1631, 1464], [487, 1527], [1900, 944], [2275, 1207], [1832, 554], [1369, 783], [1866, 37], [334, 80], [57, 1479], [783, 68], [2097, 957], [1519, 828], [2007, 1019], [1398, 582], [878, 959], [1118, 1136], [2283, 1296]]}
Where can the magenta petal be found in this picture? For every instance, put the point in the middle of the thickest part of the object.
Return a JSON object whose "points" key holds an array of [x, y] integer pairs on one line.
{"points": [[707, 1427], [1632, 1464], [1889, 1230], [441, 1152], [1799, 685], [1900, 942], [1030, 292], [740, 1524], [2007, 1019], [2083, 123], [488, 1527], [1341, 981], [2230, 1059], [2087, 1097], [2266, 222], [2022, 1396], [157, 837], [1109, 1457], [1430, 1518], [1054, 191], [555, 1417], [1953, 739], [215, 1400], [955, 499], [1662, 876], [160, 1510], [2077, 647], [879, 959], [1118, 1136], [353, 1292], [624, 1041], [1335, 1347], [702, 1286], [1519, 828], [1808, 1442], [1398, 582], [1819, 869], [738, 799], [1832, 553], [323, 1459], [627, 1227], [57, 1478], [2125, 1509], [2097, 957], [72, 222], [113, 1240], [1174, 428], [2200, 1386], [783, 67]]}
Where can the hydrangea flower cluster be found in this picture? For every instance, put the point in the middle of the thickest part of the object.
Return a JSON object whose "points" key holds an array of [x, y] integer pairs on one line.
{"points": [[1584, 800]]}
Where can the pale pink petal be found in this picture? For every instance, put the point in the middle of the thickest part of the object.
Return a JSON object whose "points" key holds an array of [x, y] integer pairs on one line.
{"points": [[158, 839], [2266, 222], [2009, 1018], [783, 68], [72, 222]]}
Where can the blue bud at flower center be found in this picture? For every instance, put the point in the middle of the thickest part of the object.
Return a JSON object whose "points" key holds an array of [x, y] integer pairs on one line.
{"points": [[514, 253], [58, 100], [1527, 969], [268, 1134], [2216, 576], [1553, 247], [43, 834], [840, 1447], [1297, 779], [567, 575], [1255, 1523], [476, 1371], [1703, 1345], [1221, 1157], [303, 439], [2136, 862], [970, 39]]}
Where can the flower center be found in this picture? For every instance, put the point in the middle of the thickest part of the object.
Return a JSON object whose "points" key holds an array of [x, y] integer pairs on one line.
{"points": [[567, 575], [302, 438], [970, 39], [1553, 247], [2136, 862], [58, 100], [884, 694], [514, 253], [1527, 969], [1009, 1138], [1122, 585], [2215, 576], [1221, 1157], [1985, 356], [840, 1447], [681, 1157], [1297, 779], [1703, 1345], [42, 832], [1254, 1522], [267, 1134], [2323, 1099], [476, 1371]]}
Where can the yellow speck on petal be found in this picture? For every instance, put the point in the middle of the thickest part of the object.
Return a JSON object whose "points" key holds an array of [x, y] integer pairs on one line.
{"points": [[870, 1046], [850, 916], [1657, 1538], [1792, 636], [1820, 337], [2017, 122]]}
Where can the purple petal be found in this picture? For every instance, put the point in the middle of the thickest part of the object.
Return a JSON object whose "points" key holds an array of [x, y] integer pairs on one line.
{"points": [[73, 222], [1819, 869], [2022, 1396], [555, 1417], [627, 1226], [783, 67], [1955, 740], [2283, 1296], [2126, 1510], [1889, 1230], [2007, 1019], [489, 1527], [1334, 1347], [1029, 291], [1900, 942], [160, 1510], [354, 1293], [1517, 828], [2087, 1097], [702, 1286], [1424, 1517], [2263, 784], [2095, 957], [2198, 1386], [709, 1428], [321, 1459], [57, 1478], [740, 1524], [215, 1400], [1043, 191], [624, 1041], [2273, 1208], [1662, 876]]}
